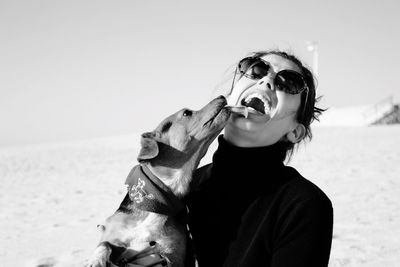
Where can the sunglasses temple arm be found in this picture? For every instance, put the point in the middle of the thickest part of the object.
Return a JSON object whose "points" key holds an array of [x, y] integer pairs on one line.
{"points": [[305, 104], [233, 81]]}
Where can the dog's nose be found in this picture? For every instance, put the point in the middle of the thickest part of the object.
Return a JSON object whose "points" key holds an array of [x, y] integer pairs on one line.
{"points": [[221, 97]]}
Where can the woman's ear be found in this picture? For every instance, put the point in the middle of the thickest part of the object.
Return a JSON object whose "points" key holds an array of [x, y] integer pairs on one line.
{"points": [[297, 134]]}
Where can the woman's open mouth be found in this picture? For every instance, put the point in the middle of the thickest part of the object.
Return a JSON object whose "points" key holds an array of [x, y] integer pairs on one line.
{"points": [[257, 103]]}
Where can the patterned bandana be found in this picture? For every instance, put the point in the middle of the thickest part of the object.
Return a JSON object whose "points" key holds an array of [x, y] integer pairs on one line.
{"points": [[148, 193]]}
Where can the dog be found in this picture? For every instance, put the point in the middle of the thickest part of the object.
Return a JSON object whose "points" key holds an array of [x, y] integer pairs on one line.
{"points": [[152, 210]]}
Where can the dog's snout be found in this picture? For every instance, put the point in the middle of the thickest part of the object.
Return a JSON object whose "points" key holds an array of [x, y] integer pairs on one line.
{"points": [[223, 99], [218, 102]]}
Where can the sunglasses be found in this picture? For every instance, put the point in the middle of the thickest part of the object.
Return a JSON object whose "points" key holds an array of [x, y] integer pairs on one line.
{"points": [[288, 81]]}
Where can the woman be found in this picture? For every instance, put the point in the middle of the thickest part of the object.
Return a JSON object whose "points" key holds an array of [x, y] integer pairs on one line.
{"points": [[251, 209]]}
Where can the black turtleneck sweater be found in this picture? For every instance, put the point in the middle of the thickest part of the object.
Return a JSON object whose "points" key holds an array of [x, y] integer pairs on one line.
{"points": [[252, 210]]}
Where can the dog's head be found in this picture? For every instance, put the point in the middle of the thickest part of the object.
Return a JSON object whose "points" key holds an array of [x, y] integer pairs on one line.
{"points": [[183, 134]]}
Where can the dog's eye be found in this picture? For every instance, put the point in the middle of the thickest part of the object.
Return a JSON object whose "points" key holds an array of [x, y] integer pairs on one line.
{"points": [[187, 113]]}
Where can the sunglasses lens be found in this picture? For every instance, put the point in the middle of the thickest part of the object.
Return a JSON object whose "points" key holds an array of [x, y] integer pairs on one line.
{"points": [[245, 63], [290, 82], [253, 68], [259, 70]]}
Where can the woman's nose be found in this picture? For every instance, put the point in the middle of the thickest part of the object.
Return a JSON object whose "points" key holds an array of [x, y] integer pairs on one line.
{"points": [[267, 81]]}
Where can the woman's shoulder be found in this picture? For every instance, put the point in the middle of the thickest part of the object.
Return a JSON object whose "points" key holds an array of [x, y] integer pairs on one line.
{"points": [[301, 190]]}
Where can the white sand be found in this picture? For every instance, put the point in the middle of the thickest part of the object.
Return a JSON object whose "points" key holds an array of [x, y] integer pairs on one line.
{"points": [[53, 196]]}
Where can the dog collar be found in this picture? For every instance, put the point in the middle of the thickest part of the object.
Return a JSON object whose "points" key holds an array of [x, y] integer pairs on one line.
{"points": [[149, 193]]}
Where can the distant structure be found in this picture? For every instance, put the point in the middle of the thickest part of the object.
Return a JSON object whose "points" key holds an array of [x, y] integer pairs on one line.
{"points": [[383, 112]]}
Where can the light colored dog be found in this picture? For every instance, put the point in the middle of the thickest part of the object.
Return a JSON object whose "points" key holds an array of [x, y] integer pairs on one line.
{"points": [[152, 209]]}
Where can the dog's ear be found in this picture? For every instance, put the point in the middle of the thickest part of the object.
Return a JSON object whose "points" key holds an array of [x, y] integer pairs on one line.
{"points": [[149, 147]]}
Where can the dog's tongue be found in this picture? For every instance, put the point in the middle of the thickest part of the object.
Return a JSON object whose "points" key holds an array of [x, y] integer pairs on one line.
{"points": [[256, 104]]}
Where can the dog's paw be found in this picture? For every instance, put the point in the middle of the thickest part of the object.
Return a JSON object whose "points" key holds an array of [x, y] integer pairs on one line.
{"points": [[96, 262], [100, 257]]}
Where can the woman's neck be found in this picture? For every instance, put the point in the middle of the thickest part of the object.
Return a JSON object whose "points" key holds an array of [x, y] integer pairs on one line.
{"points": [[241, 138]]}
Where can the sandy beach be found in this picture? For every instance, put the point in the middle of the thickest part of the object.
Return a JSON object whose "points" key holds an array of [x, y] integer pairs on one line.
{"points": [[52, 196]]}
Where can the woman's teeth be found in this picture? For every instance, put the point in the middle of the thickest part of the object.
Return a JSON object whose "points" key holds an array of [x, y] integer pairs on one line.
{"points": [[257, 102]]}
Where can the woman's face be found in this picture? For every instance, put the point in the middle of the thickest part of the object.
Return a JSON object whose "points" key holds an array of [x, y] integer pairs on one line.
{"points": [[272, 112]]}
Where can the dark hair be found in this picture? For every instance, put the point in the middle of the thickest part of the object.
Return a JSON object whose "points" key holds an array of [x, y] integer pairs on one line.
{"points": [[308, 111]]}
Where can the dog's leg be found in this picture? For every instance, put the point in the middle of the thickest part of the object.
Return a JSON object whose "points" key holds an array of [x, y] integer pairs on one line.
{"points": [[100, 256]]}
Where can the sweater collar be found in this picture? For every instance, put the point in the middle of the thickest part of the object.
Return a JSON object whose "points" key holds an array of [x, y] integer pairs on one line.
{"points": [[271, 156], [247, 172]]}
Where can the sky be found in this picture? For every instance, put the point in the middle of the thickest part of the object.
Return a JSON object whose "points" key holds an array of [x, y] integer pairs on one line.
{"points": [[84, 69]]}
